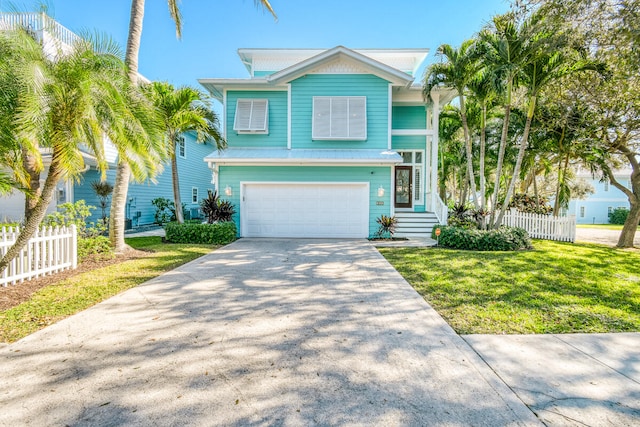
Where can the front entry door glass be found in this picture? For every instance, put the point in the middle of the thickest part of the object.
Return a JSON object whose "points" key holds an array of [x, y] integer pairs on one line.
{"points": [[403, 187]]}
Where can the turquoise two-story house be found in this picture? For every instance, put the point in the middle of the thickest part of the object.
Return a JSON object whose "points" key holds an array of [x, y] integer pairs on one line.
{"points": [[322, 142]]}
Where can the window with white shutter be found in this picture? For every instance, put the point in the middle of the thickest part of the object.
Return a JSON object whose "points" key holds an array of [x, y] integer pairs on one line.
{"points": [[252, 116], [339, 117]]}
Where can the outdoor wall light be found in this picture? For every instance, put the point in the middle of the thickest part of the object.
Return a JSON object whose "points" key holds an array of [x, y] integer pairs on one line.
{"points": [[228, 191], [380, 191]]}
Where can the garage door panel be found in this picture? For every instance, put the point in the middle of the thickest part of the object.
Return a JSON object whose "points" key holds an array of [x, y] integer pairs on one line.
{"points": [[305, 210]]}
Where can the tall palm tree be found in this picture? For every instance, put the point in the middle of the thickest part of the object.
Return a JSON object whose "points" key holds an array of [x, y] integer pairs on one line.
{"points": [[182, 110], [551, 60], [484, 86], [123, 172], [78, 100], [458, 70], [504, 47]]}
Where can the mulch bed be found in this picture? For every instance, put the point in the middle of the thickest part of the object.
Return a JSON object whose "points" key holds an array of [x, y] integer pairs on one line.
{"points": [[12, 295]]}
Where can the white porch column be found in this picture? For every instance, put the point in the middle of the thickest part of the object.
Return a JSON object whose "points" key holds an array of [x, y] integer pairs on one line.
{"points": [[435, 97]]}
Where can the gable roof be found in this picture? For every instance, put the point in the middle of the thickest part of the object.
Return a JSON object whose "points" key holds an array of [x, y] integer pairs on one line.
{"points": [[338, 53]]}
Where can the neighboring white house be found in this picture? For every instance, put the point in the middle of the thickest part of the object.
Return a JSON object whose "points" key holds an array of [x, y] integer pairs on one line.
{"points": [[596, 208]]}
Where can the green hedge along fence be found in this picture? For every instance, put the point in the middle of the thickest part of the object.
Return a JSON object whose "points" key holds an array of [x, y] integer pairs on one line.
{"points": [[502, 239], [220, 233]]}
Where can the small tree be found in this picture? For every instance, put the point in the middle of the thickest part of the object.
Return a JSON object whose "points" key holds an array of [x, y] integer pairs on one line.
{"points": [[103, 190]]}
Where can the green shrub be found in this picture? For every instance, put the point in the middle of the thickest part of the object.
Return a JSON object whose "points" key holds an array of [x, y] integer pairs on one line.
{"points": [[98, 246], [502, 239], [216, 209], [220, 233], [618, 216], [75, 213]]}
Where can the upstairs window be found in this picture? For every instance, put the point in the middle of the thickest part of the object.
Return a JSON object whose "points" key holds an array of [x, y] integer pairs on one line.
{"points": [[181, 147], [252, 116], [340, 117]]}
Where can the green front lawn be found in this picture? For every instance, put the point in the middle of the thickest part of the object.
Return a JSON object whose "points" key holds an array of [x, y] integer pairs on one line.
{"points": [[556, 288], [55, 302]]}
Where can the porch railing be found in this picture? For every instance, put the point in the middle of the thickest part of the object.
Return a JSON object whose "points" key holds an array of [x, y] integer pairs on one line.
{"points": [[437, 206]]}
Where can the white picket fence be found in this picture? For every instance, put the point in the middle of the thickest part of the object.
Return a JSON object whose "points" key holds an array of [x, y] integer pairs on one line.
{"points": [[546, 227], [50, 250]]}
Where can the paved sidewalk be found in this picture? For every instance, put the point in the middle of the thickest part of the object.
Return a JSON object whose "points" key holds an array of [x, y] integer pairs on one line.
{"points": [[260, 332], [572, 379]]}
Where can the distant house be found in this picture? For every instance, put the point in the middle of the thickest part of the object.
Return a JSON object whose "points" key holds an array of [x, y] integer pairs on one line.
{"points": [[596, 208], [195, 177], [322, 142]]}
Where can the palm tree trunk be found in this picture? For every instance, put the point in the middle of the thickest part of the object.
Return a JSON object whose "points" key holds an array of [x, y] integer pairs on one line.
{"points": [[176, 188], [562, 176], [37, 214], [118, 206], [483, 143], [469, 153], [516, 169], [30, 164], [123, 173], [501, 150]]}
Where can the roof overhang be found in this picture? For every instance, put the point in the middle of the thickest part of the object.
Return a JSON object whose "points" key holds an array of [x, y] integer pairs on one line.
{"points": [[283, 156], [216, 87]]}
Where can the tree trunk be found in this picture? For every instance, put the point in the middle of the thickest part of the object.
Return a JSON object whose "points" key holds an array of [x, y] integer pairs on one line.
{"points": [[483, 143], [118, 207], [516, 169], [469, 153], [562, 176], [30, 164], [628, 233], [176, 187], [133, 40], [123, 173], [37, 214], [501, 150]]}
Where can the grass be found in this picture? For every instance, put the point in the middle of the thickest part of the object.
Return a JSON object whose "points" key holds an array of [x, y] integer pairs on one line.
{"points": [[601, 226], [55, 302], [556, 288]]}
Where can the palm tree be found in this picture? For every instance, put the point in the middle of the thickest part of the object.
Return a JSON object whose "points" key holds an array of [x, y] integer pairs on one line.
{"points": [[458, 70], [551, 59], [20, 54], [483, 86], [123, 173], [182, 110], [77, 100], [504, 47]]}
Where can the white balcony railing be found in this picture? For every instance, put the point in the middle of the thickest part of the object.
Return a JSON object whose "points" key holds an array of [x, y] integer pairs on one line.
{"points": [[437, 206], [40, 24]]}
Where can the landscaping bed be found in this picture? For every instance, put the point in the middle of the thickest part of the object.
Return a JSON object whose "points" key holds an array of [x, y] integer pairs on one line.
{"points": [[556, 288]]}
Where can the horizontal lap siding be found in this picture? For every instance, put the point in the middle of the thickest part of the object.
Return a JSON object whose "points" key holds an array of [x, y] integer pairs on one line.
{"points": [[305, 88], [376, 176], [408, 142], [192, 171], [277, 136], [411, 117]]}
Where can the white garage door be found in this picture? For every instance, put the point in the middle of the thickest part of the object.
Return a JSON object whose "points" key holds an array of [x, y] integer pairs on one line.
{"points": [[305, 210]]}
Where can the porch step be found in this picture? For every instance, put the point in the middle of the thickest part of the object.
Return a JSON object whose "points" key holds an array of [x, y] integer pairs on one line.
{"points": [[415, 224]]}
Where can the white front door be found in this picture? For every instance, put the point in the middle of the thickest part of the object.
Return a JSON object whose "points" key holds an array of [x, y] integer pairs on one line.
{"points": [[323, 210]]}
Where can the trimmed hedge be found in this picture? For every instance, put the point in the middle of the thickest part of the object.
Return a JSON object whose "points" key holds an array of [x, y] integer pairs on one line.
{"points": [[220, 233], [502, 239]]}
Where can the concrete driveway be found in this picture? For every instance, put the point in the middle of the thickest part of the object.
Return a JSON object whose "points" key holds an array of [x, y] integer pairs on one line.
{"points": [[261, 332]]}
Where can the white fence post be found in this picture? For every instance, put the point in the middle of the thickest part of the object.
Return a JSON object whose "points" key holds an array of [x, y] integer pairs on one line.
{"points": [[48, 251], [543, 226]]}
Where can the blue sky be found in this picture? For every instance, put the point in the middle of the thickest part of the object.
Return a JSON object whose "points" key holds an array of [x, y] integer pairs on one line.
{"points": [[215, 29]]}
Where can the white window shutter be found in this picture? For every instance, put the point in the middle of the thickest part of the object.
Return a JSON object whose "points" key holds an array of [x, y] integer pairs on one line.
{"points": [[252, 116], [358, 118], [321, 117], [339, 117]]}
